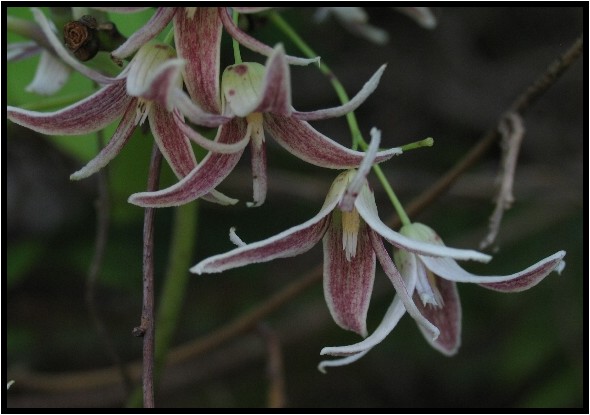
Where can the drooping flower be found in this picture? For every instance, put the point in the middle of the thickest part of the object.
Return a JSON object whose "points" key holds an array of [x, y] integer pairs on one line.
{"points": [[259, 97], [352, 236], [148, 88], [432, 281]]}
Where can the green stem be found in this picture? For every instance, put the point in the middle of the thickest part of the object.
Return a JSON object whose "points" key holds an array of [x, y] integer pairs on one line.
{"points": [[236, 45], [357, 137], [174, 289]]}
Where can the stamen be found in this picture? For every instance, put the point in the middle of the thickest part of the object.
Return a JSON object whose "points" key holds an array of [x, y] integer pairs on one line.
{"points": [[350, 229], [255, 121], [427, 289], [142, 110]]}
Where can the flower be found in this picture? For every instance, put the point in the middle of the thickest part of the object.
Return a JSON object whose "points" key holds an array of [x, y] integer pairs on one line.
{"points": [[149, 87], [258, 98], [352, 236], [432, 280]]}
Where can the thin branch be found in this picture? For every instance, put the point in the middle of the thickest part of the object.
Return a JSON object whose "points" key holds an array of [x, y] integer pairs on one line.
{"points": [[147, 326], [103, 210], [520, 105], [275, 370]]}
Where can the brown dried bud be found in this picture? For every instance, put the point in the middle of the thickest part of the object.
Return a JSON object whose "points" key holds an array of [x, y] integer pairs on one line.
{"points": [[81, 38]]}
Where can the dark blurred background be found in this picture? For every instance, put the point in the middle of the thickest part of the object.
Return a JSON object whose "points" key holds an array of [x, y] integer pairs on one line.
{"points": [[451, 83]]}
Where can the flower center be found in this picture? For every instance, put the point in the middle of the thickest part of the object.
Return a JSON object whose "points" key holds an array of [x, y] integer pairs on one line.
{"points": [[351, 222], [142, 110], [427, 289]]}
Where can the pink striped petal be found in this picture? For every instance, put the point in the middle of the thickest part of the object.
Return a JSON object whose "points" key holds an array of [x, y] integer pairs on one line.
{"points": [[447, 318], [115, 145], [253, 44], [202, 179], [449, 269], [348, 285], [351, 105], [195, 113], [173, 144], [198, 41], [150, 30], [288, 243], [276, 85], [308, 144], [86, 116]]}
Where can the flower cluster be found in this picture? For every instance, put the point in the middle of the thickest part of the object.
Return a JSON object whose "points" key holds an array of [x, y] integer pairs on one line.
{"points": [[178, 89]]}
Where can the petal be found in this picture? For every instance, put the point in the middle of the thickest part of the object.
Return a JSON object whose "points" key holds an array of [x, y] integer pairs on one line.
{"points": [[276, 85], [360, 178], [341, 362], [60, 49], [259, 180], [91, 114], [150, 30], [365, 204], [348, 284], [253, 44], [288, 243], [198, 41], [194, 113], [400, 287], [203, 178], [392, 316], [21, 50], [448, 269], [351, 105], [173, 144], [303, 141], [207, 144], [50, 76], [113, 148], [217, 197], [447, 318]]}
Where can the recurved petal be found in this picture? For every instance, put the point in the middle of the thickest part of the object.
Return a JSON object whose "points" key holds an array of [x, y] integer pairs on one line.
{"points": [[197, 40], [21, 50], [203, 178], [161, 85], [150, 30], [207, 144], [86, 116], [276, 85], [341, 362], [449, 269], [50, 76], [303, 141], [353, 104], [173, 144], [113, 148], [253, 44], [365, 204], [60, 49], [288, 243], [360, 178], [348, 284], [195, 113], [215, 196], [447, 318], [400, 287]]}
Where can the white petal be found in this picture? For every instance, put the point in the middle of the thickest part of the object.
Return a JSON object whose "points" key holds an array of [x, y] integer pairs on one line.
{"points": [[367, 208], [341, 362], [50, 76]]}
